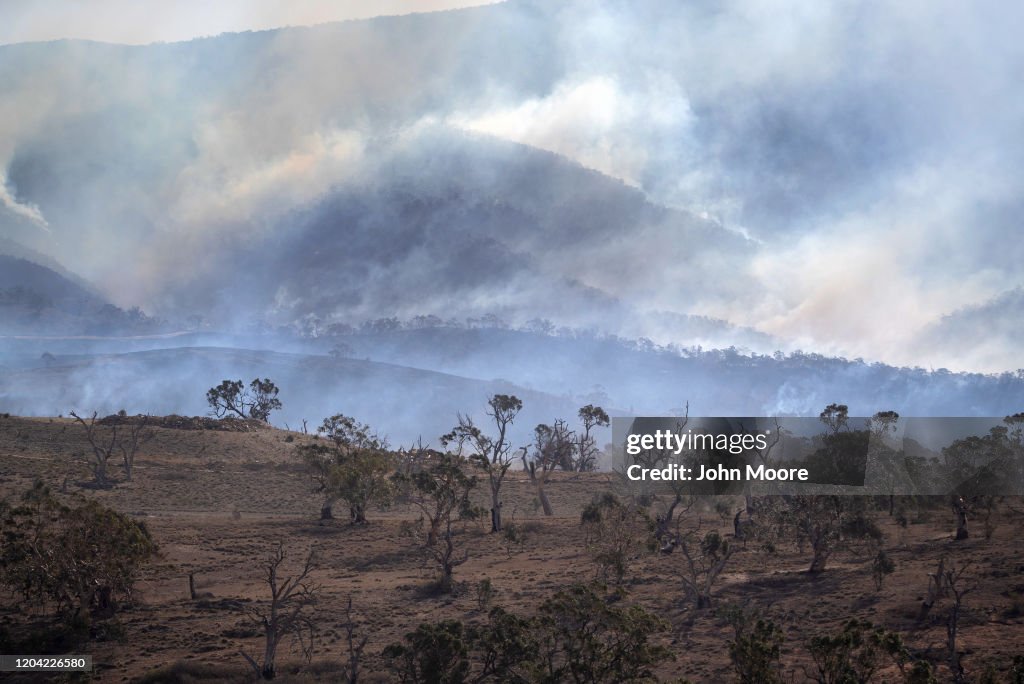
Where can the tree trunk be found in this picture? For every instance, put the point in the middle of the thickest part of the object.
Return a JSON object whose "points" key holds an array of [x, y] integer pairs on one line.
{"points": [[820, 555], [100, 471], [543, 496], [936, 585], [954, 658], [495, 510], [358, 515], [327, 508], [269, 655], [961, 524]]}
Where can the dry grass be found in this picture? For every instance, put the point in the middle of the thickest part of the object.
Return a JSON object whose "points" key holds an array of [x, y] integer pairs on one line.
{"points": [[217, 501]]}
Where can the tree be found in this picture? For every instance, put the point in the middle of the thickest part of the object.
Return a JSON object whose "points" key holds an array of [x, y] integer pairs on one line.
{"points": [[491, 454], [84, 558], [441, 492], [101, 451], [364, 477], [704, 559], [124, 441], [586, 446], [617, 532], [765, 457], [289, 613], [885, 458], [583, 638], [552, 446], [959, 587], [756, 651], [979, 468], [828, 522], [354, 646], [353, 465], [433, 653], [856, 653], [578, 635], [255, 401], [835, 417]]}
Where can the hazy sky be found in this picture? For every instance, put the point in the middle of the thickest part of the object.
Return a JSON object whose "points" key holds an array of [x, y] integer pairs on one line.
{"points": [[870, 151], [147, 21]]}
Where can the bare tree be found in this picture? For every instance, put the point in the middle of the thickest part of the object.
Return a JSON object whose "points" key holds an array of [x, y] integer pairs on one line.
{"points": [[126, 442], [289, 614], [129, 443], [102, 451], [936, 589], [355, 646], [959, 587], [492, 454]]}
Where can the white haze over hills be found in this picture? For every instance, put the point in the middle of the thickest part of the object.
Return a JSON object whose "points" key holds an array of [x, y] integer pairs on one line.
{"points": [[835, 178]]}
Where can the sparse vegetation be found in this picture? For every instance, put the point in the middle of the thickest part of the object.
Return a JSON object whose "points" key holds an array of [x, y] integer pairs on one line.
{"points": [[540, 626]]}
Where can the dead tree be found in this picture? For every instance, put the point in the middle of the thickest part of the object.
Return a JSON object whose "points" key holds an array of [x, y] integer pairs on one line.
{"points": [[959, 588], [129, 443], [355, 647], [101, 451], [289, 614], [124, 442], [936, 590]]}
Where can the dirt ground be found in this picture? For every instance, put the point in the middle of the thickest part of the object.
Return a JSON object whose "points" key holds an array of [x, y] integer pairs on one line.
{"points": [[218, 502]]}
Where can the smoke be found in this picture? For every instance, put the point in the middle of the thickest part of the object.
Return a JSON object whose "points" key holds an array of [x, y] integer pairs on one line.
{"points": [[137, 22], [30, 212], [837, 177]]}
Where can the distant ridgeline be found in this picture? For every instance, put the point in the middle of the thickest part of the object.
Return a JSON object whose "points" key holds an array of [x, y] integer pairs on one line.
{"points": [[36, 300]]}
